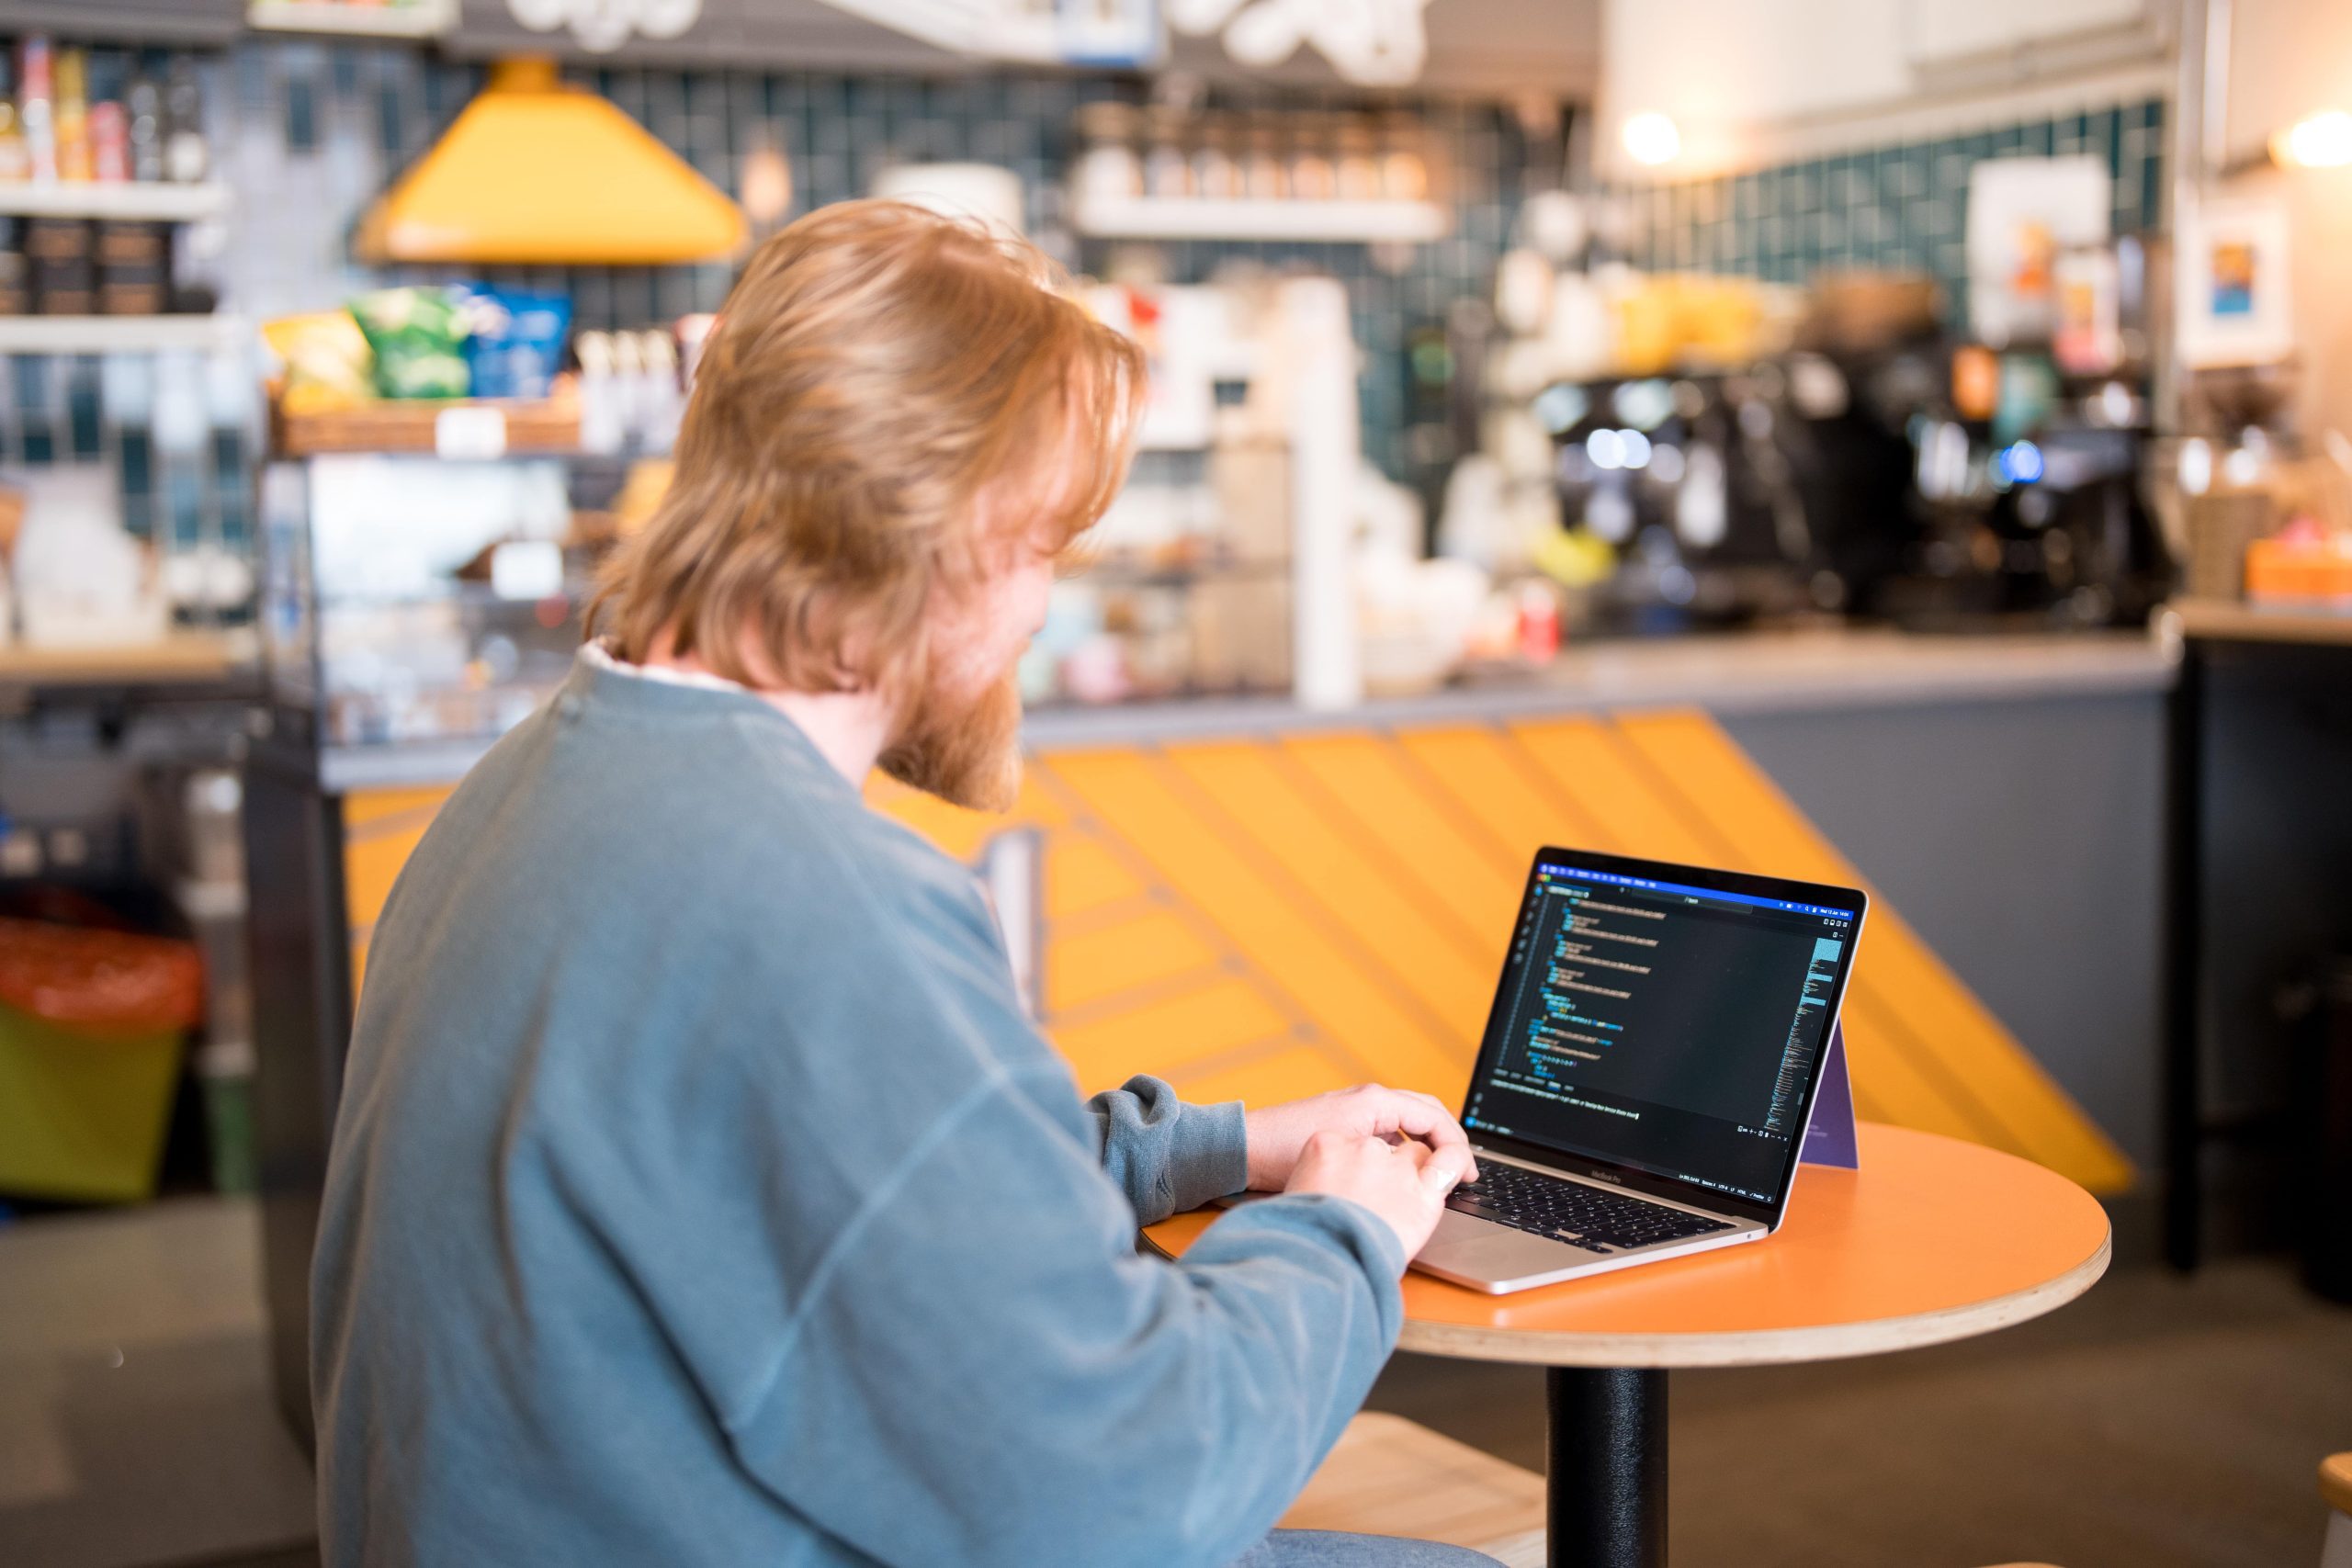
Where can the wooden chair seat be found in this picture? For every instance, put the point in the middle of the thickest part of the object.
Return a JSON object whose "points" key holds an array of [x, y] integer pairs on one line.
{"points": [[2336, 1482], [1391, 1476]]}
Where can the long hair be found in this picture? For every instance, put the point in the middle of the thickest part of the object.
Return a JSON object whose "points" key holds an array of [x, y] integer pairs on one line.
{"points": [[889, 396]]}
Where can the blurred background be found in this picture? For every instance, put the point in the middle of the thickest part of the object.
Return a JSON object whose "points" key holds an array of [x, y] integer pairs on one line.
{"points": [[1898, 439]]}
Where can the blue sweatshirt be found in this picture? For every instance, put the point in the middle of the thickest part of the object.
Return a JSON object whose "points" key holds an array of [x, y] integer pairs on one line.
{"points": [[700, 1194]]}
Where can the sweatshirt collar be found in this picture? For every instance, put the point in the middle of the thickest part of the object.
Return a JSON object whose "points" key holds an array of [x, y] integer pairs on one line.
{"points": [[598, 677]]}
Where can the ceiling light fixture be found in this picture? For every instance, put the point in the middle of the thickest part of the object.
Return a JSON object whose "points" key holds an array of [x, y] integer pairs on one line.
{"points": [[1651, 138], [2322, 142]]}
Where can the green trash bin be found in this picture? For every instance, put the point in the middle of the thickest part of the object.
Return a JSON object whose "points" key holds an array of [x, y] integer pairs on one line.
{"points": [[93, 1021], [83, 1113]]}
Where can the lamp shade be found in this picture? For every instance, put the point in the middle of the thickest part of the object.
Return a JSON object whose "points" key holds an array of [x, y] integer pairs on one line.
{"points": [[536, 172]]}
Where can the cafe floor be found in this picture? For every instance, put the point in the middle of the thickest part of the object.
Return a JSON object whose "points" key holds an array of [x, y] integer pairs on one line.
{"points": [[2159, 1421]]}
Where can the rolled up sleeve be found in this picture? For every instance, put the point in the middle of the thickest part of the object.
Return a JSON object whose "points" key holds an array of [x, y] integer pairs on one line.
{"points": [[1168, 1156]]}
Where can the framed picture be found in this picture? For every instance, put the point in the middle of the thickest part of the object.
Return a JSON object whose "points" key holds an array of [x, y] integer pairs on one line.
{"points": [[2088, 338], [2231, 285], [2023, 214]]}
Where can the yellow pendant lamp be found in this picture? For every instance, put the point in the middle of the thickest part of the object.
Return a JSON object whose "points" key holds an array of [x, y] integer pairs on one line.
{"points": [[536, 172]]}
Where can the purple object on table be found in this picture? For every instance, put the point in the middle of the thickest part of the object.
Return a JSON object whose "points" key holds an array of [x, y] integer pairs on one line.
{"points": [[1829, 1137]]}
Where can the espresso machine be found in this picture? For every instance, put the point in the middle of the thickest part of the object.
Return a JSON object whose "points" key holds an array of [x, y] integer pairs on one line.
{"points": [[1917, 479], [2027, 485]]}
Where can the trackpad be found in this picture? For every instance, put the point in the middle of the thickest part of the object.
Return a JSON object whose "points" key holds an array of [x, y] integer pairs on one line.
{"points": [[1488, 1251]]}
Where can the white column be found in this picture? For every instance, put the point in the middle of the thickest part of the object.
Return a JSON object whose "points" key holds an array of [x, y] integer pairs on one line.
{"points": [[1319, 361]]}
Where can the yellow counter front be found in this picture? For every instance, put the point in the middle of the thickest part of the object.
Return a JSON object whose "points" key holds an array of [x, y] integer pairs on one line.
{"points": [[1257, 903]]}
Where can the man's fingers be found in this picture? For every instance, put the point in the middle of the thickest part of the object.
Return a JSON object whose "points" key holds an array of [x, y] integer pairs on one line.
{"points": [[1422, 1116], [1446, 1169], [1425, 1117]]}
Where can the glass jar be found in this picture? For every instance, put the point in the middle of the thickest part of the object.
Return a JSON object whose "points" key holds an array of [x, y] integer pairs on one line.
{"points": [[1404, 162], [1108, 168], [1356, 165], [1263, 177], [1312, 176], [1217, 168], [1167, 170]]}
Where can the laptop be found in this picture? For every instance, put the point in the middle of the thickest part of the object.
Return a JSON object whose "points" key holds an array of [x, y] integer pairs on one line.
{"points": [[1648, 1070]]}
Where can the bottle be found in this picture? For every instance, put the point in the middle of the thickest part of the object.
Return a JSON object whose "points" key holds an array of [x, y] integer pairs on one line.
{"points": [[1108, 167], [144, 103], [1167, 172], [15, 165], [109, 143], [187, 158], [659, 404], [35, 108], [1404, 167], [1312, 177], [109, 126], [1216, 171], [603, 404], [73, 115], [1356, 170], [1263, 175]]}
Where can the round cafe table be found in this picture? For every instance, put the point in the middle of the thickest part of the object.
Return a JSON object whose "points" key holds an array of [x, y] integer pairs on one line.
{"points": [[1932, 1239]]}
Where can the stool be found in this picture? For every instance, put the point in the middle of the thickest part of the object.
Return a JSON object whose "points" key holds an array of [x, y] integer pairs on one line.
{"points": [[1390, 1476], [2335, 1486]]}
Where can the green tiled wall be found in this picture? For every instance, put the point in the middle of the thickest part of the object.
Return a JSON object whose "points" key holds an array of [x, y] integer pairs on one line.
{"points": [[1902, 206]]}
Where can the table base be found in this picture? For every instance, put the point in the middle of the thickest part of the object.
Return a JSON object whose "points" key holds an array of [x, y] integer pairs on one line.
{"points": [[1605, 1468]]}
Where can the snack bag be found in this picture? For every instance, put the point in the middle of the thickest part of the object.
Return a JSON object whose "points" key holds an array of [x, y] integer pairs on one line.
{"points": [[419, 339], [327, 361], [514, 342]]}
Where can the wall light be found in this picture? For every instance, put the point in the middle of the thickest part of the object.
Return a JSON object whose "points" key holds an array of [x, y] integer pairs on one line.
{"points": [[1652, 139], [2323, 141]]}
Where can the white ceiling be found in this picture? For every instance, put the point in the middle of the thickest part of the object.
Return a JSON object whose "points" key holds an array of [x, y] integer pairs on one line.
{"points": [[1475, 46]]}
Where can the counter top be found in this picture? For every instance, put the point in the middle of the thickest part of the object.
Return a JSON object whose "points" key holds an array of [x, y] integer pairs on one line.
{"points": [[2227, 620], [1827, 669], [1760, 672], [179, 658]]}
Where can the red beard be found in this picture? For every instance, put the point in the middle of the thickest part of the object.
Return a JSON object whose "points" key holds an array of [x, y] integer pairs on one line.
{"points": [[965, 749]]}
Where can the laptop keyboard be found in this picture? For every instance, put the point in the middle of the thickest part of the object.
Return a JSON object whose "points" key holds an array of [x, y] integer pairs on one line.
{"points": [[1589, 1217]]}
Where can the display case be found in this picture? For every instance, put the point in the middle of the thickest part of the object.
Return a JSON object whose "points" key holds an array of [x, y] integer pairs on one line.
{"points": [[414, 606], [414, 601]]}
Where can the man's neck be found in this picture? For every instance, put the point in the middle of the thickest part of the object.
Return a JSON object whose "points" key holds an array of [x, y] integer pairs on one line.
{"points": [[848, 729]]}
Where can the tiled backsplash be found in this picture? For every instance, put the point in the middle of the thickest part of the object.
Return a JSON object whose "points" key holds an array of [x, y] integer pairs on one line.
{"points": [[1902, 206], [306, 134]]}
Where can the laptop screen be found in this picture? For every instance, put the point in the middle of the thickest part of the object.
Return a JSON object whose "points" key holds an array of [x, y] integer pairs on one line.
{"points": [[1667, 1020]]}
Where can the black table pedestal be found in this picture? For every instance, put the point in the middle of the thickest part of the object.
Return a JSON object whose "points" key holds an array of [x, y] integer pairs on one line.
{"points": [[1605, 1465]]}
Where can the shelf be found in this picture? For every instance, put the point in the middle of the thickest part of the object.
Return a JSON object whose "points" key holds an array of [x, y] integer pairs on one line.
{"points": [[124, 202], [2229, 620], [428, 18], [462, 429], [116, 335], [187, 658], [1121, 573], [1201, 218], [141, 24]]}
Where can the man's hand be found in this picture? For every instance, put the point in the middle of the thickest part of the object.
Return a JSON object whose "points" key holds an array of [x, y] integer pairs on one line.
{"points": [[1405, 1183], [1279, 1134]]}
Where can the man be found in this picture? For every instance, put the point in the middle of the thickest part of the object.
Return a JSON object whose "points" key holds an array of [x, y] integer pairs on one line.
{"points": [[700, 1193]]}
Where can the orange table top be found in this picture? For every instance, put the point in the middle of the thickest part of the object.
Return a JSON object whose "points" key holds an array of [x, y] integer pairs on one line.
{"points": [[1932, 1239]]}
